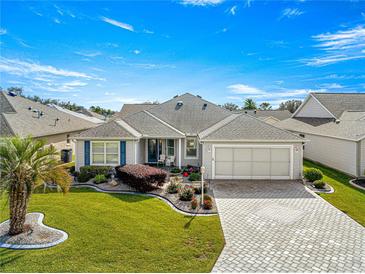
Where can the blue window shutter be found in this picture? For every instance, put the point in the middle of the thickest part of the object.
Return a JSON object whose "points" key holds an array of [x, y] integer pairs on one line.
{"points": [[122, 153], [87, 153]]}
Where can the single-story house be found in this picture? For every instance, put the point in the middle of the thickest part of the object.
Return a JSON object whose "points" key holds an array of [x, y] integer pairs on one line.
{"points": [[269, 116], [21, 116], [334, 125], [189, 130]]}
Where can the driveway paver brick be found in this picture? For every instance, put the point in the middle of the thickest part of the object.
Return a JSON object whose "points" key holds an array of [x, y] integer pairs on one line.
{"points": [[280, 226]]}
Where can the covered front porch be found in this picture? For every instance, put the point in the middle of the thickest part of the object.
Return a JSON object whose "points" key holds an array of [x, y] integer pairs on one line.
{"points": [[162, 151]]}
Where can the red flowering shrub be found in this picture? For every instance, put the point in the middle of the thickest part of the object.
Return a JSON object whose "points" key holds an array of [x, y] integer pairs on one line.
{"points": [[194, 203], [141, 177], [207, 204]]}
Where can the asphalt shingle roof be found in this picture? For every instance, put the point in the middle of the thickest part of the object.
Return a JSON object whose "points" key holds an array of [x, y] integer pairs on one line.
{"points": [[129, 109], [278, 114], [346, 128], [23, 122], [337, 103], [107, 130], [193, 116], [147, 125], [245, 127]]}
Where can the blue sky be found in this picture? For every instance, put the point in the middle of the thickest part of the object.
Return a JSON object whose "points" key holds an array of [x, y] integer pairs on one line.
{"points": [[110, 53]]}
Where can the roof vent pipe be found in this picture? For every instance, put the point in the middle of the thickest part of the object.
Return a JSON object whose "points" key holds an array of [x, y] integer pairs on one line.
{"points": [[180, 103], [337, 121]]}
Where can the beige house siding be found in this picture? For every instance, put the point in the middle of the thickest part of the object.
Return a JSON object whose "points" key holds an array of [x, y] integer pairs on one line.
{"points": [[297, 157], [79, 154], [59, 141], [131, 152], [362, 157], [336, 153], [313, 109]]}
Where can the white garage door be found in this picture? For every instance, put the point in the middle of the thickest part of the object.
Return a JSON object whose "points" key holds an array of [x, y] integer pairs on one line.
{"points": [[252, 163]]}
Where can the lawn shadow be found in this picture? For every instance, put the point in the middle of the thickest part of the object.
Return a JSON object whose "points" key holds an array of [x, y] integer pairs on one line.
{"points": [[191, 219], [8, 256]]}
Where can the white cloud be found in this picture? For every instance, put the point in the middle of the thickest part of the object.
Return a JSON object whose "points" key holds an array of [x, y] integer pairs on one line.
{"points": [[57, 21], [3, 31], [88, 53], [245, 89], [332, 86], [136, 51], [201, 2], [232, 10], [75, 83], [339, 46], [148, 31], [290, 13], [117, 23], [24, 68], [248, 3]]}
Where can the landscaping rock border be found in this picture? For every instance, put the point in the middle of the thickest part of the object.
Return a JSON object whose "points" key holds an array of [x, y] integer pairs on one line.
{"points": [[35, 220], [352, 182], [328, 190]]}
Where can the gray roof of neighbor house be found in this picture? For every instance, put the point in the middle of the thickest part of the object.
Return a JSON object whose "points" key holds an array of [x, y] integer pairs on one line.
{"points": [[278, 114], [351, 125], [79, 115], [337, 103], [150, 126], [246, 128], [91, 114], [111, 129], [129, 109], [189, 114], [21, 121]]}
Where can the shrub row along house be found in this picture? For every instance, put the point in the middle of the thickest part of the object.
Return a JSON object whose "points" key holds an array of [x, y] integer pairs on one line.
{"points": [[23, 117], [188, 130], [334, 125]]}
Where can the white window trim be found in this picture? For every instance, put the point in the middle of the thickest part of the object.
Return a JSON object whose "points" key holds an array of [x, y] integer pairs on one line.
{"points": [[104, 164], [167, 148], [197, 147]]}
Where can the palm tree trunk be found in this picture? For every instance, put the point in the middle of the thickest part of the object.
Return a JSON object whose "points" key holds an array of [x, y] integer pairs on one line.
{"points": [[18, 208]]}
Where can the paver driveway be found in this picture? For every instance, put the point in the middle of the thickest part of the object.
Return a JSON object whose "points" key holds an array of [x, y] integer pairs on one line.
{"points": [[278, 226]]}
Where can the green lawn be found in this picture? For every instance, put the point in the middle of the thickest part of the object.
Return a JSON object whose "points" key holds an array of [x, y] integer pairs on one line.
{"points": [[117, 233], [347, 198]]}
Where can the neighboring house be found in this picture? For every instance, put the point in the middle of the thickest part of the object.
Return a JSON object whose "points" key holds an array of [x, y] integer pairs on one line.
{"points": [[192, 131], [269, 116], [129, 109], [334, 124], [23, 117], [89, 118], [90, 113]]}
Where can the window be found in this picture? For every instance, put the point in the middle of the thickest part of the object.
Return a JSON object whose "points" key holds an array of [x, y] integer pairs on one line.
{"points": [[68, 138], [170, 147], [105, 153], [191, 147]]}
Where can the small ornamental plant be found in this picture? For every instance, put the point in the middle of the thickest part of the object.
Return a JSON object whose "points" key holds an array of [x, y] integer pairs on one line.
{"points": [[319, 184], [186, 193], [207, 204], [207, 197], [185, 174], [194, 203], [313, 174], [173, 187], [194, 177], [100, 178]]}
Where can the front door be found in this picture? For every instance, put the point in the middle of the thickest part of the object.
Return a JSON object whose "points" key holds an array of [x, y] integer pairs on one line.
{"points": [[154, 150]]}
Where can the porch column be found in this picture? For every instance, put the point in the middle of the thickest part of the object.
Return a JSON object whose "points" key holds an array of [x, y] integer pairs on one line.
{"points": [[179, 159]]}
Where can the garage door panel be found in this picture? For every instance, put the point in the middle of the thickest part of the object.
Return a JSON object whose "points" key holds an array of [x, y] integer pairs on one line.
{"points": [[224, 154], [280, 169], [261, 154], [280, 154], [242, 169], [223, 168], [261, 169], [242, 154]]}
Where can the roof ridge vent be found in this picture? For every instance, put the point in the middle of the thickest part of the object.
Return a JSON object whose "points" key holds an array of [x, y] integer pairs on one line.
{"points": [[179, 103], [176, 96], [12, 94], [199, 96], [337, 121]]}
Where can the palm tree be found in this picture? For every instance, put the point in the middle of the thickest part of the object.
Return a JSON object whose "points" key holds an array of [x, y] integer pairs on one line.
{"points": [[249, 104], [265, 106], [26, 163]]}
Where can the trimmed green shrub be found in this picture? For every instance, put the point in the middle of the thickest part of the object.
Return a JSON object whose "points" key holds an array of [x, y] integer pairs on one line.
{"points": [[207, 204], [173, 187], [194, 203], [95, 170], [100, 178], [198, 189], [186, 193], [313, 174], [84, 177], [175, 170], [194, 177], [319, 184], [142, 177]]}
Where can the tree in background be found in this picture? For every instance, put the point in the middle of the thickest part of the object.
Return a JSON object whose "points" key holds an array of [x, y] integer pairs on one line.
{"points": [[26, 163], [231, 106], [265, 106], [290, 105], [102, 111], [249, 104]]}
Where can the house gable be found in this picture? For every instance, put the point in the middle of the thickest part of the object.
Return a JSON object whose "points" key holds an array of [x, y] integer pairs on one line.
{"points": [[312, 108]]}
